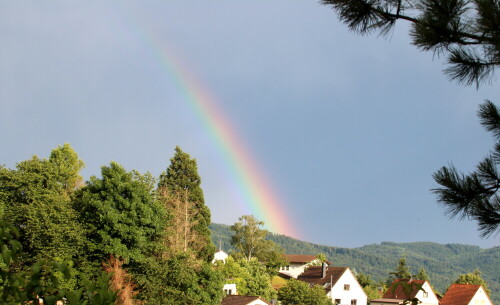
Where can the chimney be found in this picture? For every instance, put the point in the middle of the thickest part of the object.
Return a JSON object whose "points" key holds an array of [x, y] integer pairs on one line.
{"points": [[323, 270]]}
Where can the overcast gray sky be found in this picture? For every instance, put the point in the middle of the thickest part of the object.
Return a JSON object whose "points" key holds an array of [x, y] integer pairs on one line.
{"points": [[348, 129]]}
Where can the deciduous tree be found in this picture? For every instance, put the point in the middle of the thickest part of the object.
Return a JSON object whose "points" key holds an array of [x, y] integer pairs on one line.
{"points": [[36, 201], [249, 237], [120, 215], [473, 278], [370, 287], [299, 293], [250, 276]]}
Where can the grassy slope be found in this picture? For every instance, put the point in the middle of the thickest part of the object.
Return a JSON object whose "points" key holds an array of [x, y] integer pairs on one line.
{"points": [[444, 263]]}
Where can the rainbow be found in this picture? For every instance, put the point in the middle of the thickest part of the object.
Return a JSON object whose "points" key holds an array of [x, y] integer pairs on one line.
{"points": [[257, 191]]}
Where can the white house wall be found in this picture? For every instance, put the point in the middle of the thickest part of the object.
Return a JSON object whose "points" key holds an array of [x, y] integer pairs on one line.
{"points": [[230, 289], [257, 302], [220, 256], [355, 290], [294, 270], [431, 298], [480, 298]]}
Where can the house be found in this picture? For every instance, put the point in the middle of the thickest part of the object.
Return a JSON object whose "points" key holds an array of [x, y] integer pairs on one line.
{"points": [[220, 256], [397, 293], [243, 300], [297, 264], [339, 282], [466, 294], [230, 289]]}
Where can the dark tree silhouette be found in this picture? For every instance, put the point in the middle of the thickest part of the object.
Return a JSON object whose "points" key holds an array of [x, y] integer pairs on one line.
{"points": [[466, 31], [475, 196]]}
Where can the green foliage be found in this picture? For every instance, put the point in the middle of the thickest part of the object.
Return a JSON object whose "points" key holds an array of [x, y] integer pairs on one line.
{"points": [[299, 293], [474, 278], [475, 196], [24, 287], [250, 276], [467, 32], [370, 287], [67, 167], [422, 275], [321, 257], [55, 234], [408, 287], [36, 201], [249, 238], [120, 215], [402, 271], [180, 280], [180, 178], [273, 259]]}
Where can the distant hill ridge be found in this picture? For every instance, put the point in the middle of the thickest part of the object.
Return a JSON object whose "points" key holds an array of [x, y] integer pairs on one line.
{"points": [[443, 263]]}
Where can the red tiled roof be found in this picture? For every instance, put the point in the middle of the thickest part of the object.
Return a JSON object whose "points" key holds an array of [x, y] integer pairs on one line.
{"points": [[396, 291], [294, 258], [241, 300], [459, 294], [313, 275]]}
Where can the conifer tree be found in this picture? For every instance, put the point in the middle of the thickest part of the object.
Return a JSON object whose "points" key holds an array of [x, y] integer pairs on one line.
{"points": [[402, 272], [475, 196], [466, 32], [422, 275], [182, 184]]}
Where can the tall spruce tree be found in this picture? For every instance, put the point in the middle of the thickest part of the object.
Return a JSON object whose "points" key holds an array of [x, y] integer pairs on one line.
{"points": [[180, 185], [422, 275], [402, 272]]}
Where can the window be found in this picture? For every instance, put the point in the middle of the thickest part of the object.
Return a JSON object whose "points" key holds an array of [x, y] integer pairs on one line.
{"points": [[287, 267], [354, 302], [337, 301], [426, 294], [228, 291], [347, 287]]}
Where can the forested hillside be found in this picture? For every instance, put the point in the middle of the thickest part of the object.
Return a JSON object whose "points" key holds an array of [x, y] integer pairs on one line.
{"points": [[444, 263]]}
